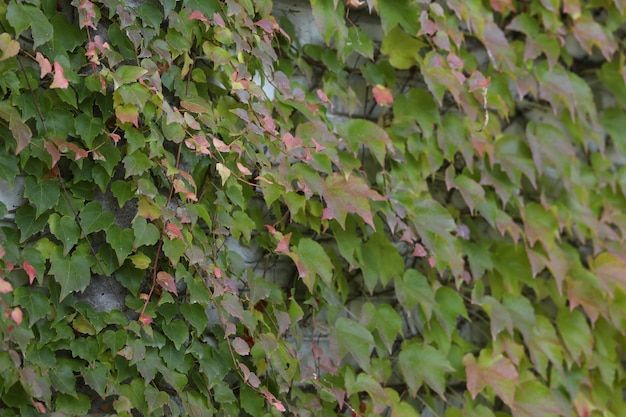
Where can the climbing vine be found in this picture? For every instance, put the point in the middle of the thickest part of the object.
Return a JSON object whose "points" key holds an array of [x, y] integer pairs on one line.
{"points": [[421, 213]]}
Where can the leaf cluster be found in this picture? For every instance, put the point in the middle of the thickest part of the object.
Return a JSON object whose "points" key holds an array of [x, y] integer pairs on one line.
{"points": [[424, 214]]}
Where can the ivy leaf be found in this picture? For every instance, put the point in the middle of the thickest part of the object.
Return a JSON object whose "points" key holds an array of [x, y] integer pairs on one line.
{"points": [[240, 346], [36, 304], [22, 16], [166, 281], [72, 272], [24, 220], [413, 289], [93, 218], [382, 95], [353, 338], [121, 241], [65, 229], [177, 331], [146, 234], [381, 260], [128, 113], [350, 195], [575, 332], [535, 399], [421, 364], [401, 48], [44, 194], [8, 46], [59, 80], [361, 132], [495, 371], [313, 261]]}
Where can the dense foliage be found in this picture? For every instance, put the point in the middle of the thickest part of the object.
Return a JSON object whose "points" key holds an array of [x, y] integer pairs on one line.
{"points": [[444, 180]]}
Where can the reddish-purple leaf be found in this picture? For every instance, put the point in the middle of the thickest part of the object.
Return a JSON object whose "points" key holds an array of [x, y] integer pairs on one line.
{"points": [[240, 346], [197, 15], [166, 281], [21, 132], [283, 244]]}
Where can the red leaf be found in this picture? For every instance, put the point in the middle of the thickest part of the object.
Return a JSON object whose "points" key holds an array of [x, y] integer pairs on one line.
{"points": [[382, 95], [44, 64], [197, 14], [220, 146], [17, 315], [218, 20], [5, 287], [30, 271], [275, 403], [166, 281], [240, 346], [59, 80], [283, 245], [87, 14], [145, 319], [266, 25], [243, 169], [419, 251], [173, 231]]}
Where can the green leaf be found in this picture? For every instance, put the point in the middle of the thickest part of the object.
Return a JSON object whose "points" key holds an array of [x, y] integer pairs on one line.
{"points": [[63, 378], [401, 48], [354, 339], [177, 331], [361, 132], [121, 241], [196, 315], [36, 304], [65, 229], [403, 12], [329, 19], [44, 194], [575, 333], [28, 222], [127, 73], [534, 399], [421, 106], [22, 16], [136, 163], [93, 218], [146, 234], [313, 261], [388, 323], [72, 272], [381, 261], [96, 376], [413, 289], [88, 127], [421, 364]]}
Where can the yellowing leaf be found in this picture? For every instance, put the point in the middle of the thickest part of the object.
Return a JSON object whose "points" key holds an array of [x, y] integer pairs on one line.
{"points": [[8, 46]]}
